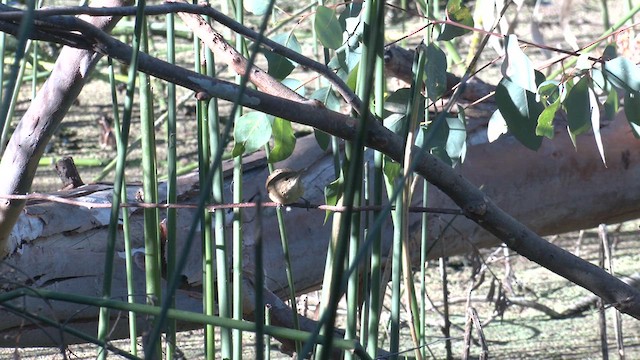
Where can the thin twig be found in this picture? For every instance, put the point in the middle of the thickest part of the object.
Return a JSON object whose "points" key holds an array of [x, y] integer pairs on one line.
{"points": [[143, 205]]}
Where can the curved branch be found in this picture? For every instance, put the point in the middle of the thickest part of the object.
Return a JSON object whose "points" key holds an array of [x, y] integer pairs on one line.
{"points": [[344, 90]]}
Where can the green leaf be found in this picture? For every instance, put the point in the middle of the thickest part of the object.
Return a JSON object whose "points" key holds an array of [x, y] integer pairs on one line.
{"points": [[391, 169], [394, 122], [396, 103], [458, 13], [343, 62], [352, 11], [251, 132], [434, 138], [435, 72], [457, 140], [623, 74], [497, 126], [578, 107], [595, 123], [352, 79], [322, 138], [548, 90], [329, 99], [328, 28], [520, 110], [609, 52], [632, 108], [517, 67], [611, 104], [295, 85], [279, 66], [284, 140], [599, 81], [539, 77], [332, 193], [256, 7], [326, 96], [545, 120]]}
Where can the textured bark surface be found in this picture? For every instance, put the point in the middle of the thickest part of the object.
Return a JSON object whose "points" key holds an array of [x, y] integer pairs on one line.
{"points": [[48, 108]]}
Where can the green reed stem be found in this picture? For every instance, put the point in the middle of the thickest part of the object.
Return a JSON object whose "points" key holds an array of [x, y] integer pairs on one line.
{"points": [[172, 179], [104, 317]]}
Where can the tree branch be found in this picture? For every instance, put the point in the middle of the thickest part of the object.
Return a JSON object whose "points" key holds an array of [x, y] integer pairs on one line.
{"points": [[347, 94]]}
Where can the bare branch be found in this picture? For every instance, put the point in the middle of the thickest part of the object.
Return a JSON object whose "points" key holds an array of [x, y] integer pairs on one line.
{"points": [[348, 95]]}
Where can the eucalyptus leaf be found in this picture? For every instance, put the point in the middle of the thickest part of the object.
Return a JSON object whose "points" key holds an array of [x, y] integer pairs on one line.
{"points": [[351, 10], [338, 64], [434, 138], [328, 27], [599, 81], [517, 67], [497, 126], [595, 123], [279, 66], [457, 13], [391, 169], [295, 85], [548, 91], [352, 79], [284, 140], [396, 102], [251, 132], [322, 138], [256, 7], [632, 108], [578, 107], [332, 193], [329, 99], [394, 122], [545, 120], [609, 52], [457, 140], [623, 74], [611, 104], [520, 110], [326, 96], [435, 72]]}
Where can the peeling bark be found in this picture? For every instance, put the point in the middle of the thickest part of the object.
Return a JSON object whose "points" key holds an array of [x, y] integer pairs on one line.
{"points": [[48, 108]]}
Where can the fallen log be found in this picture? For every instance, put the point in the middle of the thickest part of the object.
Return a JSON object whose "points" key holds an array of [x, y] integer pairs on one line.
{"points": [[59, 246]]}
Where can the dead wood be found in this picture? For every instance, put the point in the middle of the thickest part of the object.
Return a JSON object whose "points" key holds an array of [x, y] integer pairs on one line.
{"points": [[68, 173]]}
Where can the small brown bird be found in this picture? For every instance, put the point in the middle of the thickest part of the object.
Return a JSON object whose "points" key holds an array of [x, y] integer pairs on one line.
{"points": [[284, 186]]}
